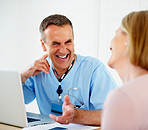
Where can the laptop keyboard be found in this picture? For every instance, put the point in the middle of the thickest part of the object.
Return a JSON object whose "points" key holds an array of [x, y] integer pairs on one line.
{"points": [[32, 119]]}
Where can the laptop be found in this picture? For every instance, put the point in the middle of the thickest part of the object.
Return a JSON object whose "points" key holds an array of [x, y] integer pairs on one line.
{"points": [[12, 107]]}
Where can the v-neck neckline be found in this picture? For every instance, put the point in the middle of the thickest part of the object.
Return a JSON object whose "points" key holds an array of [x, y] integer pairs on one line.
{"points": [[69, 73]]}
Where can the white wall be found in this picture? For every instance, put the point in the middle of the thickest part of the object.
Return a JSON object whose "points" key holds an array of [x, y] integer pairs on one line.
{"points": [[9, 35]]}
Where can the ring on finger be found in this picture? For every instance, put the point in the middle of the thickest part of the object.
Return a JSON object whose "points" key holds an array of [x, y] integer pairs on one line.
{"points": [[66, 121]]}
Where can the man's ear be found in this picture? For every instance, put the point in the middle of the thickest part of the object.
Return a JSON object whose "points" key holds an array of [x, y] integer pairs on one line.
{"points": [[43, 45]]}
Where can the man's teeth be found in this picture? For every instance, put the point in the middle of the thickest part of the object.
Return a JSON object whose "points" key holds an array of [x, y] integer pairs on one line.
{"points": [[63, 56]]}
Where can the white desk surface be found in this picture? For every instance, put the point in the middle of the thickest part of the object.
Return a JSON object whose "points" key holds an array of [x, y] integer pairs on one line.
{"points": [[9, 127]]}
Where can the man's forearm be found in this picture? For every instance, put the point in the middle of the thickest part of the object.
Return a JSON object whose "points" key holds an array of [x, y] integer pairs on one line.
{"points": [[24, 77], [87, 117]]}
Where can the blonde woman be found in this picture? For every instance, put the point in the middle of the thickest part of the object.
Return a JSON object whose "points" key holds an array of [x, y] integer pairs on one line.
{"points": [[126, 108]]}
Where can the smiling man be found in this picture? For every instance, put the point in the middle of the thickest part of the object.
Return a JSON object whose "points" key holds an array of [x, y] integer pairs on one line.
{"points": [[62, 72]]}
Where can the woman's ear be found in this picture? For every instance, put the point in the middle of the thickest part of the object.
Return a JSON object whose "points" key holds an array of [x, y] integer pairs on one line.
{"points": [[43, 45]]}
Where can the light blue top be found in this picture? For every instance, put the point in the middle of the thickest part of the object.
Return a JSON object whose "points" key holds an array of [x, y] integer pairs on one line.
{"points": [[88, 75]]}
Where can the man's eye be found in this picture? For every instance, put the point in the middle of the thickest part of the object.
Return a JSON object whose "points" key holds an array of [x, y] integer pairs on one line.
{"points": [[68, 42], [55, 43]]}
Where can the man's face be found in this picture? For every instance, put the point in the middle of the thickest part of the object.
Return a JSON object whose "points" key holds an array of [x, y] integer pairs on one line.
{"points": [[59, 45]]}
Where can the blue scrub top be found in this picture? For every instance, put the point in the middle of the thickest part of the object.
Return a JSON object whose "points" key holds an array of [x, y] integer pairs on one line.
{"points": [[88, 75]]}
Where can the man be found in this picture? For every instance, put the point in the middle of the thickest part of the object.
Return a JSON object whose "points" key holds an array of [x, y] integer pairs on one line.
{"points": [[61, 72]]}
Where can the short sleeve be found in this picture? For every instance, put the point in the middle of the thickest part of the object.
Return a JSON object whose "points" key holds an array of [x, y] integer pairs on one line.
{"points": [[28, 90], [101, 84]]}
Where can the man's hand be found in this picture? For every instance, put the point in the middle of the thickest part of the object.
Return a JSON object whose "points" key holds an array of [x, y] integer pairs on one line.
{"points": [[68, 112], [78, 116], [38, 66]]}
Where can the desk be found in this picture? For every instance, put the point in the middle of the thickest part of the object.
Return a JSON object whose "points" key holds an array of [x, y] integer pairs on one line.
{"points": [[9, 127]]}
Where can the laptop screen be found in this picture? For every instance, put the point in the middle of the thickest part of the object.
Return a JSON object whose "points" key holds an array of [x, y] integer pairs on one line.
{"points": [[12, 108]]}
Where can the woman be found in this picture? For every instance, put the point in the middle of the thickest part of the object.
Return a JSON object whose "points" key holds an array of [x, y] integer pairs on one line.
{"points": [[126, 108]]}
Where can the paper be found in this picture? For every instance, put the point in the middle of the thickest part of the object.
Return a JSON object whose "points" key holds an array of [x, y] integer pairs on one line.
{"points": [[70, 126]]}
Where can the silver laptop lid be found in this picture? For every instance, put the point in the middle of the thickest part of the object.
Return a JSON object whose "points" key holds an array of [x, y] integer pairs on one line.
{"points": [[12, 108]]}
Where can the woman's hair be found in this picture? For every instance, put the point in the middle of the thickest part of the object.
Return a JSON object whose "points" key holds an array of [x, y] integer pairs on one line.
{"points": [[135, 25]]}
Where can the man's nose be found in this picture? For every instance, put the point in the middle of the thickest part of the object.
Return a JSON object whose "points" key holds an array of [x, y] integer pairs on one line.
{"points": [[62, 49]]}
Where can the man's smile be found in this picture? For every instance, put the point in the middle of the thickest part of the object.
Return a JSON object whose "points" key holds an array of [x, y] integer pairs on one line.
{"points": [[62, 57]]}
